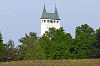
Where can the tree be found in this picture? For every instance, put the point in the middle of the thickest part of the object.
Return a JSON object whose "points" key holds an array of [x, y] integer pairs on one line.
{"points": [[83, 41], [60, 43], [50, 33], [97, 43], [1, 48], [10, 52], [30, 48], [44, 42]]}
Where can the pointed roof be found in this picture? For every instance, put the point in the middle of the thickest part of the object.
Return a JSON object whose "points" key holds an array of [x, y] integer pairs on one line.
{"points": [[44, 10], [46, 15]]}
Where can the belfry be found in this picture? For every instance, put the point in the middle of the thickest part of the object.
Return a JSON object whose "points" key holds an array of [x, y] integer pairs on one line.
{"points": [[49, 20]]}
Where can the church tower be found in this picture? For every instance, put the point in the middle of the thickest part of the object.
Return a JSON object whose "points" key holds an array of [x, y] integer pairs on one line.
{"points": [[49, 20]]}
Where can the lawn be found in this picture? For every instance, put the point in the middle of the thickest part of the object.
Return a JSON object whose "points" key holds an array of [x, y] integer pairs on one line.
{"points": [[74, 62]]}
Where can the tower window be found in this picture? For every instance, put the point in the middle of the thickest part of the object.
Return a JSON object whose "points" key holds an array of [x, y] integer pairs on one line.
{"points": [[44, 21], [57, 21], [54, 21], [51, 21], [48, 21]]}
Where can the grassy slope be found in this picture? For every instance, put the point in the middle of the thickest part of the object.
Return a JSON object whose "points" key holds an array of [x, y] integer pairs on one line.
{"points": [[82, 62]]}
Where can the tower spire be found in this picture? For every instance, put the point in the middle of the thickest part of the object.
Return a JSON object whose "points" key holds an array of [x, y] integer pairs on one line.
{"points": [[44, 9], [56, 9], [56, 12], [44, 12]]}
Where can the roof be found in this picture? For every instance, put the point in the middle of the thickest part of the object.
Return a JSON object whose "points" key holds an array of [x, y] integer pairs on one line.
{"points": [[46, 15]]}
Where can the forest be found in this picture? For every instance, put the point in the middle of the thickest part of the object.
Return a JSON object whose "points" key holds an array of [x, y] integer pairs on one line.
{"points": [[54, 44]]}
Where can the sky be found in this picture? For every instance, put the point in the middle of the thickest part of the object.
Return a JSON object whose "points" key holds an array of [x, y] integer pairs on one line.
{"points": [[18, 17]]}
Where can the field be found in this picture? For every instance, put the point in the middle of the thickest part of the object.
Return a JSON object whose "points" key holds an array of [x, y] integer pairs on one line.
{"points": [[80, 62]]}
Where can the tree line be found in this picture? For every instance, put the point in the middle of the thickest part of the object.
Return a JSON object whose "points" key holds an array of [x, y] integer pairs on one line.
{"points": [[54, 44]]}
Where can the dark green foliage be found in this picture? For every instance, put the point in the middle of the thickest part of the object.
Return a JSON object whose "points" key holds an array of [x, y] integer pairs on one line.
{"points": [[30, 48], [54, 44], [62, 46], [97, 43], [60, 43], [44, 42], [1, 48], [10, 52], [83, 41]]}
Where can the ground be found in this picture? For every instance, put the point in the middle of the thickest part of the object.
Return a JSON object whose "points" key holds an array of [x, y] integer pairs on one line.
{"points": [[74, 62]]}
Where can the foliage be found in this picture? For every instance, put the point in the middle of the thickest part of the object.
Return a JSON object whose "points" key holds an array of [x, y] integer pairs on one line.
{"points": [[1, 48], [97, 43], [44, 42], [83, 41], [54, 44], [10, 52], [30, 48], [59, 45]]}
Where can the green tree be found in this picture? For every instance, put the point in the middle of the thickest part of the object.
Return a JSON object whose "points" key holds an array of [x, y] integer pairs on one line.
{"points": [[44, 42], [1, 48], [97, 43], [60, 44], [83, 41], [10, 52], [30, 48]]}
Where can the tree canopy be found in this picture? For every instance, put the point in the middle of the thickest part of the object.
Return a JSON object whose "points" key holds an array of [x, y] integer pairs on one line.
{"points": [[54, 44]]}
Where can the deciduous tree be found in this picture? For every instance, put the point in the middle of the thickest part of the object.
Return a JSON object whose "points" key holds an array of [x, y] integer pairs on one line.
{"points": [[83, 41], [60, 45]]}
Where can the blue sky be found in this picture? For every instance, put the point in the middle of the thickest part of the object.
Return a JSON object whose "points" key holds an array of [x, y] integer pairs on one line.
{"points": [[18, 17]]}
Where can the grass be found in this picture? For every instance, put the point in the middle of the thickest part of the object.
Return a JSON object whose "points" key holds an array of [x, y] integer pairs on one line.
{"points": [[74, 62]]}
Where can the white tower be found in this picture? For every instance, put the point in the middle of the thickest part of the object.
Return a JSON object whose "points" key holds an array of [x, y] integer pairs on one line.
{"points": [[49, 20]]}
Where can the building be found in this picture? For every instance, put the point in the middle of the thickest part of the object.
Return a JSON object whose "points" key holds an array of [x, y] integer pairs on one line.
{"points": [[49, 20]]}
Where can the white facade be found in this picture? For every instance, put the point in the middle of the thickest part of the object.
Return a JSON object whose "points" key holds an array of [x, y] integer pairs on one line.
{"points": [[49, 23]]}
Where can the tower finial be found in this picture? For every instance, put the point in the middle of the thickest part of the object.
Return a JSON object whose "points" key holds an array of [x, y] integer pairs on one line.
{"points": [[44, 6], [55, 8], [44, 3], [44, 9], [56, 12], [55, 4]]}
